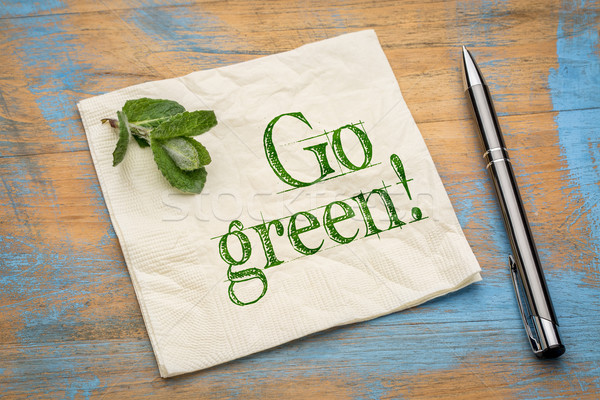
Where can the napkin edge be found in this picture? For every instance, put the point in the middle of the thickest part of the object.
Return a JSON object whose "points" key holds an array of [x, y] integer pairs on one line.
{"points": [[120, 237]]}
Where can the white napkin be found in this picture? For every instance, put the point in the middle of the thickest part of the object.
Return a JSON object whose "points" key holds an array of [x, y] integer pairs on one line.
{"points": [[353, 261]]}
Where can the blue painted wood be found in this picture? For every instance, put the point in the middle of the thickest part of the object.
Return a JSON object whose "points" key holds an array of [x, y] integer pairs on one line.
{"points": [[70, 326]]}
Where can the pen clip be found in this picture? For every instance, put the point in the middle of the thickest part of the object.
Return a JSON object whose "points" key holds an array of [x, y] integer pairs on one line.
{"points": [[533, 340]]}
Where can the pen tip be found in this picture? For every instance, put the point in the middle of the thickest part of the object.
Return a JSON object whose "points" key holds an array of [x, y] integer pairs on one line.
{"points": [[471, 74]]}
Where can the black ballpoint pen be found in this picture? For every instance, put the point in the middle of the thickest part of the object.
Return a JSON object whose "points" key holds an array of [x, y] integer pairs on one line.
{"points": [[525, 268]]}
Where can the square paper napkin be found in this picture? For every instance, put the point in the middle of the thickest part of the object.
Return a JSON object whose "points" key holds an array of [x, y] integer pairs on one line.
{"points": [[322, 205]]}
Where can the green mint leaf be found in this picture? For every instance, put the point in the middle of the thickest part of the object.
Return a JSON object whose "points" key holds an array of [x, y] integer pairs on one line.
{"points": [[140, 140], [185, 124], [203, 155], [186, 181], [183, 153], [149, 113], [123, 141]]}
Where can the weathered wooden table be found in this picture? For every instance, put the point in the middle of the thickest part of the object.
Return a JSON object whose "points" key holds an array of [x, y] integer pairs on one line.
{"points": [[70, 326]]}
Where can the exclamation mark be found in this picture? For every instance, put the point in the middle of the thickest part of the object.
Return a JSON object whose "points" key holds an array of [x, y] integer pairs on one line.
{"points": [[399, 169]]}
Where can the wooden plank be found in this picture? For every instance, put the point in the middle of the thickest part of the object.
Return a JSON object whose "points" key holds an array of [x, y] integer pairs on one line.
{"points": [[140, 50]]}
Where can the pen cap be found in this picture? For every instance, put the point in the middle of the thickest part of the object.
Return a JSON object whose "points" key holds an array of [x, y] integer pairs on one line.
{"points": [[542, 333], [549, 340]]}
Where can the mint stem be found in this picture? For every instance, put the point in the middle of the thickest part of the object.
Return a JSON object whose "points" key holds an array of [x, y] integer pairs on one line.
{"points": [[137, 130], [113, 122], [140, 131]]}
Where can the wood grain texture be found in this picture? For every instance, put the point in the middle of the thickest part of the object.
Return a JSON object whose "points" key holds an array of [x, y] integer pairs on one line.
{"points": [[70, 325]]}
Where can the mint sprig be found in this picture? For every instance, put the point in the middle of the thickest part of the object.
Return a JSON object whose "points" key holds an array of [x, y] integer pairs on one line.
{"points": [[167, 128], [123, 142]]}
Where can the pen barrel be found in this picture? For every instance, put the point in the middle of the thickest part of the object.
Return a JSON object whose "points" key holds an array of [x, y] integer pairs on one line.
{"points": [[515, 219], [521, 239]]}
